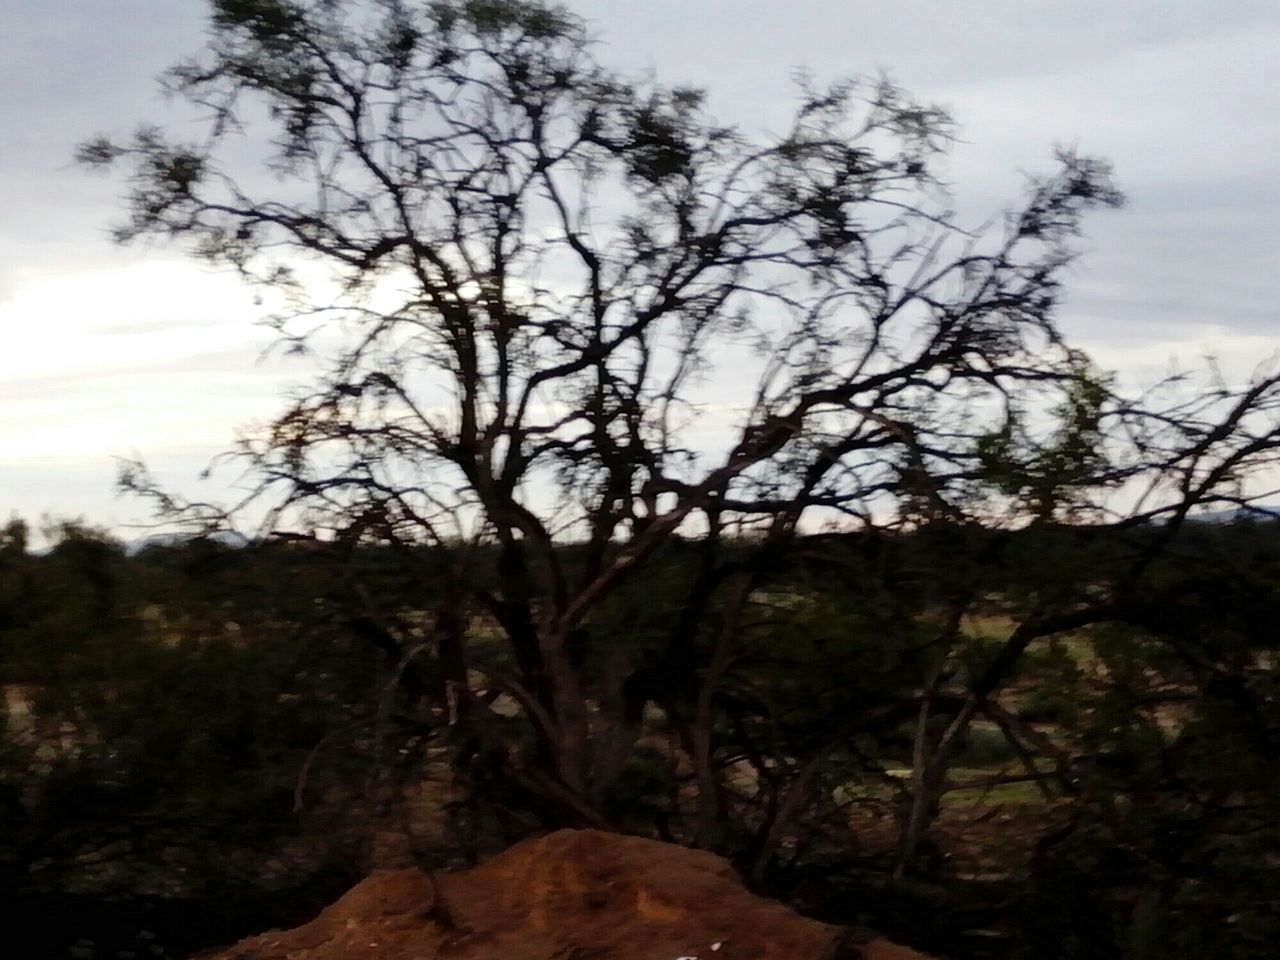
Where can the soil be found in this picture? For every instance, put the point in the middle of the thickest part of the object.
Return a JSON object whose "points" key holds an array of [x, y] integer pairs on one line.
{"points": [[570, 895]]}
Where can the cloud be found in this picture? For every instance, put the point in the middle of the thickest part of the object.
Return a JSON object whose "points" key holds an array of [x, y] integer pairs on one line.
{"points": [[59, 318], [155, 357], [108, 349]]}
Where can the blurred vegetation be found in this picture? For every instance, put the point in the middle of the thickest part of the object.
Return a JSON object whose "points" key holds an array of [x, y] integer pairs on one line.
{"points": [[191, 721]]}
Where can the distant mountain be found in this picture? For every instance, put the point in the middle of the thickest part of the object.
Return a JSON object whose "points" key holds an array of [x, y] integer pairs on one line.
{"points": [[228, 538], [1260, 514]]}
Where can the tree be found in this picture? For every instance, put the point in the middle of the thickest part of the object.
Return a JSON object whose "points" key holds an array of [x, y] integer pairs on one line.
{"points": [[582, 324]]}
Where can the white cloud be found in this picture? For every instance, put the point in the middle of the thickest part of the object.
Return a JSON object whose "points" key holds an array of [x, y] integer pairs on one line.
{"points": [[1144, 361], [156, 357], [67, 322]]}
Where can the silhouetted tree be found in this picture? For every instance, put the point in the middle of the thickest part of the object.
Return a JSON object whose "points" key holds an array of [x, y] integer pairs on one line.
{"points": [[571, 308]]}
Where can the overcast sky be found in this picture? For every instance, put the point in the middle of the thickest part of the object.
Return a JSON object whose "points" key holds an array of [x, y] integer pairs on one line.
{"points": [[109, 352]]}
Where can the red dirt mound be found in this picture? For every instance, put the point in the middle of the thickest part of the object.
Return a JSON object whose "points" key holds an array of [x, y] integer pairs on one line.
{"points": [[571, 895]]}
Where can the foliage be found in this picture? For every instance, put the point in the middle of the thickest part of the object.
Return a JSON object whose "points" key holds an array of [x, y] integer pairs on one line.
{"points": [[190, 741], [165, 707]]}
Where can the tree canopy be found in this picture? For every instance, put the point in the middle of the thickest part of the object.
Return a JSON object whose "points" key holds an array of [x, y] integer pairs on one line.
{"points": [[575, 329]]}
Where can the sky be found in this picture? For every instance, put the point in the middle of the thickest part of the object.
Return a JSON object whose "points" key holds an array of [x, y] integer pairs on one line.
{"points": [[111, 352]]}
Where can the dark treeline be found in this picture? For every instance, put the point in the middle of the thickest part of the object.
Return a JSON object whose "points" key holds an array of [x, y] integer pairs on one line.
{"points": [[192, 724]]}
